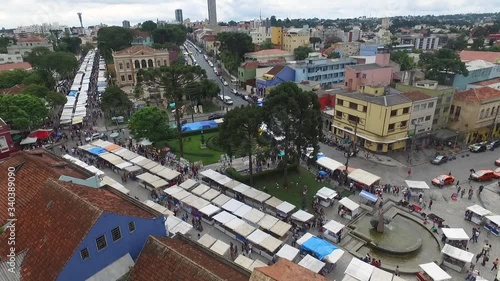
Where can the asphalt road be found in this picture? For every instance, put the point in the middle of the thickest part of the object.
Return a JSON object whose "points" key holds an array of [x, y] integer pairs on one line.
{"points": [[226, 90]]}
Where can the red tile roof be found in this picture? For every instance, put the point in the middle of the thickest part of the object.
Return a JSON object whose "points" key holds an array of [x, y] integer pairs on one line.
{"points": [[250, 64], [17, 65], [174, 259], [488, 82], [270, 52], [17, 89], [478, 95], [285, 270], [31, 39], [138, 49], [139, 33], [493, 57], [37, 167], [209, 37], [275, 70], [416, 95]]}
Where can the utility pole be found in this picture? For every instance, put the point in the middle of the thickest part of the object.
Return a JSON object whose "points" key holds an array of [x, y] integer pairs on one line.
{"points": [[493, 125], [354, 144]]}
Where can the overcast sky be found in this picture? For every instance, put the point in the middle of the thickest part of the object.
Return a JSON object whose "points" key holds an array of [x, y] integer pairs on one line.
{"points": [[112, 12]]}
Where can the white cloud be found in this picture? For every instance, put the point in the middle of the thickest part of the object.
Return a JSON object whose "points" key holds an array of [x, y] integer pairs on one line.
{"points": [[113, 12]]}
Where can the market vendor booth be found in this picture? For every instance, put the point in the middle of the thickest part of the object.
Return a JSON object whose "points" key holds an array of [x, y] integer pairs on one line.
{"points": [[363, 179], [333, 231], [369, 199], [253, 217], [284, 210], [492, 224], [271, 204], [347, 208], [208, 212], [476, 214], [312, 264], [432, 272], [210, 194], [359, 270], [332, 165], [220, 200], [326, 196], [456, 237], [302, 217], [456, 258], [288, 252]]}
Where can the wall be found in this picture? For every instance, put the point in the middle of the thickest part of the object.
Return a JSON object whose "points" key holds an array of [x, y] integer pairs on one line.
{"points": [[327, 101], [368, 50], [334, 74], [132, 243], [293, 41], [277, 35], [287, 74], [245, 74], [474, 119], [460, 82], [417, 112], [8, 58], [493, 86]]}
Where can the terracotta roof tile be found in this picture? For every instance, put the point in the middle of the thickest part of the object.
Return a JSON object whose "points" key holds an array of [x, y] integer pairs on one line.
{"points": [[250, 64], [270, 52], [285, 270], [478, 95], [174, 259], [139, 33], [276, 69], [17, 65], [35, 170], [31, 39], [488, 82], [16, 89], [137, 49], [416, 95], [493, 57]]}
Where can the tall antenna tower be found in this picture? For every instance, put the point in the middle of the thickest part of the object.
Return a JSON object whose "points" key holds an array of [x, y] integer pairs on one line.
{"points": [[80, 18]]}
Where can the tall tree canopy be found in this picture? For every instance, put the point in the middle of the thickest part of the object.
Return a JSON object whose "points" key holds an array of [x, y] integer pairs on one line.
{"points": [[233, 45], [314, 41], [114, 38], [241, 128], [266, 45], [115, 102], [204, 89], [302, 52], [295, 116], [174, 81], [169, 34], [23, 112], [148, 26], [40, 91], [36, 55], [70, 44], [403, 59], [61, 65], [20, 76], [438, 66], [150, 123]]}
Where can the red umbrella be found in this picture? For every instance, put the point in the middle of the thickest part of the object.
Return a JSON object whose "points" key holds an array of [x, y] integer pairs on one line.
{"points": [[40, 134], [165, 149]]}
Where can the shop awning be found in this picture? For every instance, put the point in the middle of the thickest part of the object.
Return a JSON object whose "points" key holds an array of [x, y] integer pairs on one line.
{"points": [[209, 210], [368, 196], [199, 190], [380, 275], [232, 205], [210, 194], [348, 203], [241, 188], [457, 253], [273, 202], [223, 217], [280, 228], [243, 261], [312, 264], [435, 272], [28, 141], [254, 216], [285, 207], [455, 233], [494, 219], [417, 184], [267, 222], [221, 200], [329, 163], [363, 177], [242, 210], [478, 210], [359, 269], [220, 247]]}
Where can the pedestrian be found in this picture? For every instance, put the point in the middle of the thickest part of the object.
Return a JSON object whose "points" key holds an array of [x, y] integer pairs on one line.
{"points": [[462, 193], [409, 173], [480, 189], [485, 260], [495, 264], [458, 188], [396, 271], [478, 256], [430, 204]]}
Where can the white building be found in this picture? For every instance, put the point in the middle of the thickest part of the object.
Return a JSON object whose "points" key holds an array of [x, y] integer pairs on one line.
{"points": [[427, 43], [259, 35], [422, 112], [8, 58], [25, 45]]}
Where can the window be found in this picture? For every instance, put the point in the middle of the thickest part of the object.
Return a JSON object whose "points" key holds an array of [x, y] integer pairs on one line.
{"points": [[137, 64], [448, 99], [4, 146], [406, 110], [338, 114], [353, 105], [131, 226], [120, 65], [403, 124], [413, 121], [164, 62], [452, 109], [434, 122], [130, 77], [420, 120], [85, 254], [101, 243], [427, 118], [365, 108], [416, 108], [394, 112], [487, 113], [123, 78], [128, 65], [353, 118], [364, 76], [391, 127], [116, 234], [445, 109], [423, 106]]}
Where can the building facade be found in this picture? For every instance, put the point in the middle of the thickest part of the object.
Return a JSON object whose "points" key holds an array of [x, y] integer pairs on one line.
{"points": [[327, 72], [128, 61], [479, 70], [212, 12], [374, 74], [420, 41], [126, 24], [294, 38], [475, 114], [25, 45], [8, 58], [346, 49], [6, 144], [492, 83], [270, 54], [178, 16], [422, 112], [443, 103], [379, 118], [277, 35], [260, 35], [277, 75]]}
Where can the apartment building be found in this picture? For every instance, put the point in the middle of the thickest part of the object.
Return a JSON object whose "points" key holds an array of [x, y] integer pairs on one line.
{"points": [[294, 38]]}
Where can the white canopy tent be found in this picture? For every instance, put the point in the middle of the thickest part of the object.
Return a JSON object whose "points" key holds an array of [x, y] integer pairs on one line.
{"points": [[209, 210], [267, 222], [243, 261], [220, 200], [28, 141], [326, 193], [363, 177], [251, 193], [329, 163], [159, 183], [175, 225], [223, 217], [480, 211], [380, 275], [172, 190], [254, 216], [210, 194], [168, 174], [257, 236], [199, 203], [359, 269], [494, 219], [302, 216], [242, 210], [280, 228], [241, 188], [133, 169], [232, 205], [156, 169], [220, 247], [435, 272], [285, 207], [157, 207], [231, 184], [200, 189], [187, 184], [288, 252], [273, 202], [455, 233], [349, 204], [271, 244], [417, 184], [333, 226], [261, 197], [304, 238], [206, 240], [181, 195], [312, 264], [457, 253]]}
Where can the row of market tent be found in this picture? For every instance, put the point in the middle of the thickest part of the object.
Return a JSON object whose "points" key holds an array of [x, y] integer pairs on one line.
{"points": [[360, 176], [123, 159], [482, 216], [75, 109]]}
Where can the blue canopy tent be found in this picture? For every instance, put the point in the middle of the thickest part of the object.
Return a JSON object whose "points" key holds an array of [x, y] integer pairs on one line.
{"points": [[319, 247], [322, 173], [97, 150], [73, 93], [202, 125], [320, 155], [368, 196]]}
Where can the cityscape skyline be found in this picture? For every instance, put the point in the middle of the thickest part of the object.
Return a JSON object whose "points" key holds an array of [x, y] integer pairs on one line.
{"points": [[37, 12]]}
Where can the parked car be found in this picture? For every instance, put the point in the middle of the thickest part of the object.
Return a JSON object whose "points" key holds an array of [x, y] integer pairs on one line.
{"points": [[94, 137], [227, 100], [484, 175], [440, 159], [447, 179], [216, 116], [235, 92], [493, 144], [225, 83], [497, 162], [477, 144], [478, 148]]}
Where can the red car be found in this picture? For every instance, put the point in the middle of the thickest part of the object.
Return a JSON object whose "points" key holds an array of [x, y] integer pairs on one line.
{"points": [[497, 162], [485, 175], [447, 179]]}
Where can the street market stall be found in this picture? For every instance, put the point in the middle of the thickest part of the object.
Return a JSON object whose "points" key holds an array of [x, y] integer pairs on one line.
{"points": [[221, 219], [187, 203], [417, 184], [133, 169], [168, 174], [347, 208], [380, 275], [207, 241], [242, 211], [314, 265], [284, 210], [301, 217], [359, 270], [259, 199], [157, 207], [492, 224], [432, 272], [455, 237], [199, 190], [210, 194], [288, 252], [230, 185], [476, 214], [232, 205], [188, 184], [456, 258], [221, 248], [175, 225], [220, 200], [304, 238], [329, 163], [370, 198], [333, 231], [267, 222], [253, 217], [178, 196], [280, 230], [363, 179], [321, 249], [239, 189], [243, 261], [151, 181], [208, 212], [239, 229], [271, 204], [326, 196], [264, 244]]}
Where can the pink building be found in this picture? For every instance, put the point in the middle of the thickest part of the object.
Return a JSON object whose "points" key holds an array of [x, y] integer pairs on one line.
{"points": [[372, 74]]}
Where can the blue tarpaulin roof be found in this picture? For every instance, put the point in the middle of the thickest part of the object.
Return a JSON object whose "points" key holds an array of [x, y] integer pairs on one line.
{"points": [[202, 125], [320, 155], [368, 196], [73, 93], [319, 247], [97, 150]]}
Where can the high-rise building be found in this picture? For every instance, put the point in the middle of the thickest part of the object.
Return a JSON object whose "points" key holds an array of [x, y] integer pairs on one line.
{"points": [[178, 16], [126, 24], [212, 12], [80, 18]]}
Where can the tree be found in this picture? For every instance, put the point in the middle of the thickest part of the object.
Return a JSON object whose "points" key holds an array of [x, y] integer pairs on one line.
{"points": [[189, 29], [242, 125], [267, 44], [40, 91], [4, 42], [169, 34], [233, 45], [302, 52], [295, 116], [11, 78], [173, 81], [204, 89], [273, 21], [181, 60], [494, 49], [115, 102], [87, 47], [71, 44], [314, 41], [23, 112], [437, 66], [403, 59], [334, 55], [232, 23], [40, 77], [36, 54], [149, 26], [114, 38], [150, 123], [478, 44], [459, 44], [60, 65]]}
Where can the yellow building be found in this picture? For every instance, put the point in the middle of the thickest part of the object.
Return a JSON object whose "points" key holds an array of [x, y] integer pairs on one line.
{"points": [[380, 116], [475, 113], [277, 35], [294, 38]]}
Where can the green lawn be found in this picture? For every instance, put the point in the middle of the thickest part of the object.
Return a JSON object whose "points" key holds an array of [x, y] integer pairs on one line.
{"points": [[192, 149], [297, 181]]}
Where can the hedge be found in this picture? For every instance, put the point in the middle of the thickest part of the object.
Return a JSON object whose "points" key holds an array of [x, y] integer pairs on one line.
{"points": [[235, 175]]}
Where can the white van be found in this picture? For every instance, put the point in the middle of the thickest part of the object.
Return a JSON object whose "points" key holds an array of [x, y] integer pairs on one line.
{"points": [[228, 100]]}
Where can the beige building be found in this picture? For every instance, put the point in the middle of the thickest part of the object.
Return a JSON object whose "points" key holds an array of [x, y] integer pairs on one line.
{"points": [[25, 45], [127, 62], [294, 38], [475, 114], [270, 54]]}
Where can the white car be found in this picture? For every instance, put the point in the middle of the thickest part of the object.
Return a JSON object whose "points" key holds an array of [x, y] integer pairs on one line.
{"points": [[225, 83], [234, 91], [94, 137]]}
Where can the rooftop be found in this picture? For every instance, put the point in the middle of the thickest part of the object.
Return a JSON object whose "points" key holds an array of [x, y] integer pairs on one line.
{"points": [[285, 270], [135, 50], [174, 259], [370, 66], [485, 82], [17, 65], [276, 69], [31, 39], [250, 64], [493, 57], [16, 89], [269, 52], [391, 99], [478, 95], [139, 33], [416, 95], [478, 64]]}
